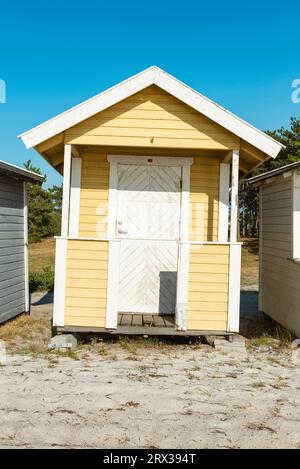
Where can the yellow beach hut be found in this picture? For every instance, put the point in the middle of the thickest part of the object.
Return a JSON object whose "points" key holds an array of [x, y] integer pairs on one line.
{"points": [[148, 168]]}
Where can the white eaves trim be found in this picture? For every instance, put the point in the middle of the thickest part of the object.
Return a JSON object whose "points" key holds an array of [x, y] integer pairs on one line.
{"points": [[158, 77]]}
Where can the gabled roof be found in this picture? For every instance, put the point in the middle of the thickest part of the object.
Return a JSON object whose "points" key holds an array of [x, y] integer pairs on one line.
{"points": [[152, 76], [20, 173], [273, 172]]}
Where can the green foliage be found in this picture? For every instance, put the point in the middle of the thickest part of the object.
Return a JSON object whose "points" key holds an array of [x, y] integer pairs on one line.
{"points": [[248, 197], [44, 208], [41, 281]]}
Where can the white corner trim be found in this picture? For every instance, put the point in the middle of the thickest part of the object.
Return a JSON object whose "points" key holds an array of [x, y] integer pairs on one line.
{"points": [[260, 252], [296, 216], [151, 160], [183, 253], [111, 321], [223, 202], [234, 288], [112, 200], [60, 282], [25, 214], [234, 196], [152, 76], [182, 286], [75, 197], [66, 191]]}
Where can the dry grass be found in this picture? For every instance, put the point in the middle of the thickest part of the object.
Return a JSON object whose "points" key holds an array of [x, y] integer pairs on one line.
{"points": [[26, 334], [42, 255], [250, 262]]}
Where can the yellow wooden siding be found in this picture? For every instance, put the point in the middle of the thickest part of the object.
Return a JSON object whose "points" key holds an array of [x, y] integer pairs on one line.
{"points": [[94, 196], [152, 118], [208, 287], [86, 284], [204, 199]]}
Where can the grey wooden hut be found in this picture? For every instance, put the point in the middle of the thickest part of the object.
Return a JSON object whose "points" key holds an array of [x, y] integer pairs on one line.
{"points": [[279, 244], [14, 285]]}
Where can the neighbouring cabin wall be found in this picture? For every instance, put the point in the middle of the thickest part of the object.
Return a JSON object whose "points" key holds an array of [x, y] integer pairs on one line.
{"points": [[204, 195], [12, 267], [280, 276], [94, 195], [152, 118], [87, 266], [208, 287], [204, 199]]}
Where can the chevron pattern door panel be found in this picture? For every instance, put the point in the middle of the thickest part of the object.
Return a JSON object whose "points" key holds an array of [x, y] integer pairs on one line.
{"points": [[148, 223]]}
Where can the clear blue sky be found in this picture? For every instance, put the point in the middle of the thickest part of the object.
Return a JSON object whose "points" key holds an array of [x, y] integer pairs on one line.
{"points": [[56, 54]]}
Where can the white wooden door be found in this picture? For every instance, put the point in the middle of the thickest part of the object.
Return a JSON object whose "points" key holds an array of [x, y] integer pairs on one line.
{"points": [[148, 224]]}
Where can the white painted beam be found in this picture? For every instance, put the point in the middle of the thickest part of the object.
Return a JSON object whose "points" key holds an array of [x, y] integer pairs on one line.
{"points": [[234, 195], [27, 305], [223, 203], [233, 323], [296, 216], [66, 191], [75, 198]]}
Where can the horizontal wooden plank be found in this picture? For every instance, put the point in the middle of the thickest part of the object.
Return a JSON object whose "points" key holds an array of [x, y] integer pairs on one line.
{"points": [[86, 283], [151, 142], [12, 234], [85, 302], [12, 258], [80, 292], [196, 306], [86, 274], [87, 265], [85, 254], [11, 288], [209, 268], [87, 245], [10, 275], [12, 266], [9, 250], [84, 321], [12, 301], [196, 278], [208, 325], [195, 296], [209, 286], [15, 211]]}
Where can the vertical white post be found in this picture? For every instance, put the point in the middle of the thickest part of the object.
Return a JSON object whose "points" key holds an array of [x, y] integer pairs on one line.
{"points": [[233, 323], [183, 252], [27, 306], [234, 195], [260, 253], [296, 215], [60, 281], [66, 191], [75, 198], [223, 202], [111, 321]]}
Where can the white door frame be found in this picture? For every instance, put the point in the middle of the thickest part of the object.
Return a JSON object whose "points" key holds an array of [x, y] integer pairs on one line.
{"points": [[114, 242]]}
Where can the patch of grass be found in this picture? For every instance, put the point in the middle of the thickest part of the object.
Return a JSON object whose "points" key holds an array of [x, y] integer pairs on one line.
{"points": [[250, 262], [42, 255], [42, 281], [257, 385], [26, 333], [277, 338]]}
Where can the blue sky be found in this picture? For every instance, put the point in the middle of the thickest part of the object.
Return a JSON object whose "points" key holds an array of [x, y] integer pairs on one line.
{"points": [[56, 54]]}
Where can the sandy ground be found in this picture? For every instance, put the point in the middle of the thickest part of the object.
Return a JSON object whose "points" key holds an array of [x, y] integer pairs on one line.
{"points": [[174, 397], [141, 395]]}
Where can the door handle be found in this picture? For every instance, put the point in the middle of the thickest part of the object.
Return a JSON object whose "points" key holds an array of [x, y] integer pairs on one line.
{"points": [[120, 231]]}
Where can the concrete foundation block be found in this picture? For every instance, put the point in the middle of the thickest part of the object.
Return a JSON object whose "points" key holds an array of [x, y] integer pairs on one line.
{"points": [[238, 345], [63, 341], [3, 356]]}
